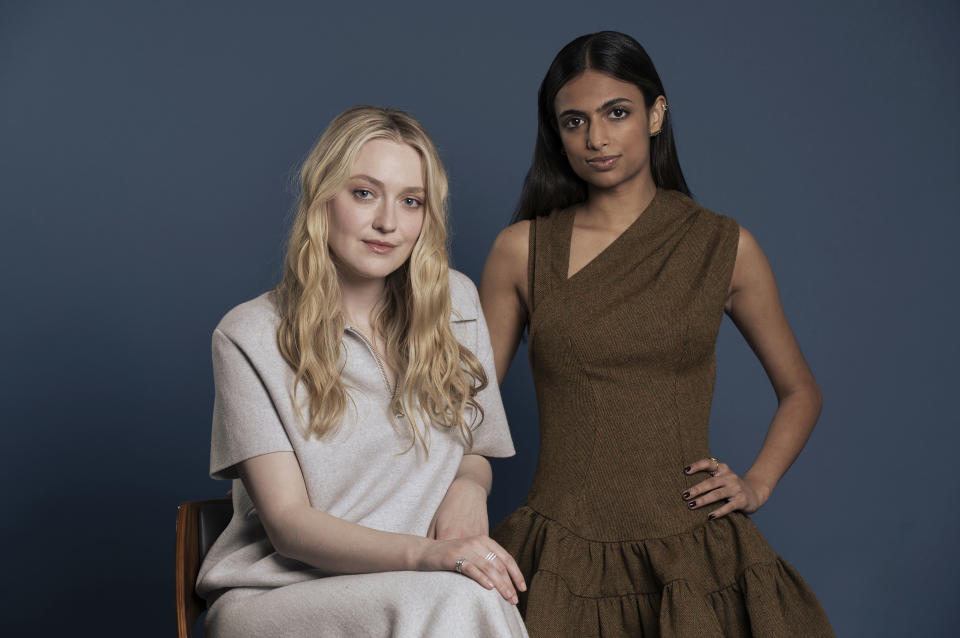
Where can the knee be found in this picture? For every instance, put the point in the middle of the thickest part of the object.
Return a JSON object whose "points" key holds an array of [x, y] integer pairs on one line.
{"points": [[464, 592]]}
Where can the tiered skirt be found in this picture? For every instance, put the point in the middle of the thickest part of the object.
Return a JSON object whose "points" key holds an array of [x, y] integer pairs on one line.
{"points": [[718, 580]]}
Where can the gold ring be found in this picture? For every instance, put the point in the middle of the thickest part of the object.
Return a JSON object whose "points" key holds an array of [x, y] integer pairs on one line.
{"points": [[715, 460]]}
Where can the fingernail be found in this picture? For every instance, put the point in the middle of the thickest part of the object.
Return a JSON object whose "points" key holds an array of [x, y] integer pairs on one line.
{"points": [[686, 495], [711, 516], [687, 469], [523, 587], [692, 504]]}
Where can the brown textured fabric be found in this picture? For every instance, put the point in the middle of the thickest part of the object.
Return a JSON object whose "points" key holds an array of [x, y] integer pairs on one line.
{"points": [[623, 362]]}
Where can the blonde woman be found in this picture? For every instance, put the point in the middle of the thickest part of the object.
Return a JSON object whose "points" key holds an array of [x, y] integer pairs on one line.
{"points": [[354, 406]]}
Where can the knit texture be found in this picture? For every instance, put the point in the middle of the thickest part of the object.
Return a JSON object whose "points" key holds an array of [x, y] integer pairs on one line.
{"points": [[623, 362]]}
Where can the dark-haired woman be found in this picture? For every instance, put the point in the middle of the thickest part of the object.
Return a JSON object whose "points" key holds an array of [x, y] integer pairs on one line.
{"points": [[631, 528]]}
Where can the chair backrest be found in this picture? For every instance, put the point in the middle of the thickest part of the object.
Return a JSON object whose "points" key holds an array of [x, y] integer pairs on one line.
{"points": [[199, 523]]}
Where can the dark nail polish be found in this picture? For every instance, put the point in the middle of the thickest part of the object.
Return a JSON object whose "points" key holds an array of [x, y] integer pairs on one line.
{"points": [[686, 495], [711, 517], [687, 469], [692, 504]]}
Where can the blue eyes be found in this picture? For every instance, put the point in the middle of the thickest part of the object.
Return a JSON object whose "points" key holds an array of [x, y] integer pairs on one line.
{"points": [[364, 194]]}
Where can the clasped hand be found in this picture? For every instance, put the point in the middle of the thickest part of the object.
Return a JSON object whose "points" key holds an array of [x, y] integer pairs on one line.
{"points": [[738, 493], [459, 530]]}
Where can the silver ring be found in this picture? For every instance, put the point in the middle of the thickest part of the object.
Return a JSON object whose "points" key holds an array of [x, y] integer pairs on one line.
{"points": [[489, 556], [460, 565]]}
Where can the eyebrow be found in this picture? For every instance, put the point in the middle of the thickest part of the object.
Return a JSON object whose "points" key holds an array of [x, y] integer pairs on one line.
{"points": [[372, 180], [604, 106], [376, 182]]}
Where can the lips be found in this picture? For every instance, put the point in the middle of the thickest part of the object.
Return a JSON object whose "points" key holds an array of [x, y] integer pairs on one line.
{"points": [[603, 163], [379, 247]]}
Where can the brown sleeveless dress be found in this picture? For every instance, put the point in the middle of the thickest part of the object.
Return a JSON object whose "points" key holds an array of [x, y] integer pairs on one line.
{"points": [[623, 362]]}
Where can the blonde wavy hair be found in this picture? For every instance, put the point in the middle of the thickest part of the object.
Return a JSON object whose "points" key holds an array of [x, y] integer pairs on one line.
{"points": [[434, 372]]}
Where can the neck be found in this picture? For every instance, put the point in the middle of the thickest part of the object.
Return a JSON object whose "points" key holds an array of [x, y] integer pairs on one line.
{"points": [[623, 202], [360, 300]]}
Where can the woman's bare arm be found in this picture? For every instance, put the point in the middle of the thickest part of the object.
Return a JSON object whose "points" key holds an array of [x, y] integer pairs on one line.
{"points": [[753, 304], [299, 531], [463, 511], [503, 293], [296, 530]]}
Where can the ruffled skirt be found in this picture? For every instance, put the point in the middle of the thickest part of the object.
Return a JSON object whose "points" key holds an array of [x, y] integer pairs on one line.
{"points": [[720, 579]]}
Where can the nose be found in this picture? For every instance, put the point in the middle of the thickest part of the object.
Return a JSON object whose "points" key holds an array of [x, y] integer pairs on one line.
{"points": [[385, 220], [596, 135]]}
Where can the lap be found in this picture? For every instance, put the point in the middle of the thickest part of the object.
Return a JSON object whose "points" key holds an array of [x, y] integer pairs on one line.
{"points": [[397, 604]]}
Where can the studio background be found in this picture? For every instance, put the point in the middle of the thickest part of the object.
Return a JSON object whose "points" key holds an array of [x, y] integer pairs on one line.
{"points": [[147, 155]]}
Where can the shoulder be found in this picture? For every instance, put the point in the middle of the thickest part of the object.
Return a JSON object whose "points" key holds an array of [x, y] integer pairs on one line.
{"points": [[511, 251], [513, 242], [464, 300], [515, 236], [714, 230], [750, 257], [252, 324], [746, 241], [704, 217]]}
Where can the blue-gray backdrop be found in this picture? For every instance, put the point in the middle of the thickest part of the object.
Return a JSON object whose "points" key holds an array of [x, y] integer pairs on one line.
{"points": [[146, 156]]}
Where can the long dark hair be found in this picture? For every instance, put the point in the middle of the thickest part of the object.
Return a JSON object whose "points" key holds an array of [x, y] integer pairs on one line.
{"points": [[551, 183]]}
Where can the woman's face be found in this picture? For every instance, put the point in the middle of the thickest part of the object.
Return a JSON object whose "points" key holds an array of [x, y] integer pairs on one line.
{"points": [[376, 217], [605, 128]]}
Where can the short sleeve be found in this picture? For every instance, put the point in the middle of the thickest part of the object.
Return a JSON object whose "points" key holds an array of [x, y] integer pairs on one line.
{"points": [[245, 422], [492, 436]]}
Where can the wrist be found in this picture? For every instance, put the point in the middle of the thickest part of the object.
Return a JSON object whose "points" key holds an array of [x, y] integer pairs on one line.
{"points": [[763, 488], [413, 559]]}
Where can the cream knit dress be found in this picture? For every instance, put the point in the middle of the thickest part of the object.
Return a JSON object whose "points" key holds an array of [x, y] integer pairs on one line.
{"points": [[361, 475]]}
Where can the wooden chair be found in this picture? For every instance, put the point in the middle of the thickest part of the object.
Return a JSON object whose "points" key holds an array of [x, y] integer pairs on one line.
{"points": [[199, 523]]}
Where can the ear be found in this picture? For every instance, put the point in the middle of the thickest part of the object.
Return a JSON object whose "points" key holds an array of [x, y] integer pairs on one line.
{"points": [[656, 115]]}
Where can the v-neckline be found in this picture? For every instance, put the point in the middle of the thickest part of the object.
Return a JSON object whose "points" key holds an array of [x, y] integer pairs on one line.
{"points": [[568, 241]]}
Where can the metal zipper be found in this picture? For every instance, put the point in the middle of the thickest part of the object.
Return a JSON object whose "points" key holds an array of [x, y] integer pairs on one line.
{"points": [[383, 372]]}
